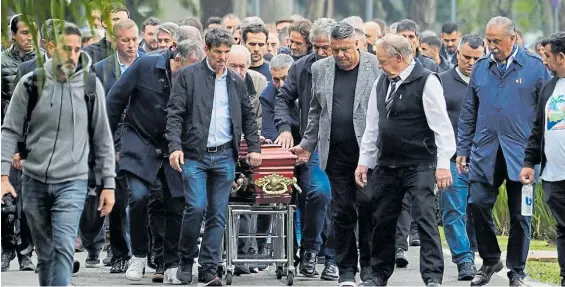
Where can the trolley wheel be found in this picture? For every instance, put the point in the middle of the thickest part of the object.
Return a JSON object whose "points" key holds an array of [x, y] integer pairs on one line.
{"points": [[279, 272], [229, 277], [289, 278]]}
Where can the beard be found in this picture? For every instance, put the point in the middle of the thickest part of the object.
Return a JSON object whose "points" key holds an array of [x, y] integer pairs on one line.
{"points": [[67, 68]]}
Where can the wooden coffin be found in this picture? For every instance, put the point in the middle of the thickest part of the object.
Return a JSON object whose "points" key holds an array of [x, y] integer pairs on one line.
{"points": [[274, 178]]}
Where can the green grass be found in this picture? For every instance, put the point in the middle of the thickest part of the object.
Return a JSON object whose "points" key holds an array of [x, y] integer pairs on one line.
{"points": [[503, 243], [547, 272]]}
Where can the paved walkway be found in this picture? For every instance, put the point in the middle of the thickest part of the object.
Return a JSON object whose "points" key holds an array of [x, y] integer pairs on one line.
{"points": [[409, 276]]}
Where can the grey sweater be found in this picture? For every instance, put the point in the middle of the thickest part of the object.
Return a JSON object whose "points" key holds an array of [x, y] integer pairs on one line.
{"points": [[58, 136]]}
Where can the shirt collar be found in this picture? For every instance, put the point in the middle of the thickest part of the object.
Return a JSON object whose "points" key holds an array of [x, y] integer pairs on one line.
{"points": [[463, 77], [122, 64], [404, 74], [209, 67], [510, 59]]}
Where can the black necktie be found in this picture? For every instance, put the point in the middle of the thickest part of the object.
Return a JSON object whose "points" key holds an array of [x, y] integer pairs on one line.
{"points": [[389, 98]]}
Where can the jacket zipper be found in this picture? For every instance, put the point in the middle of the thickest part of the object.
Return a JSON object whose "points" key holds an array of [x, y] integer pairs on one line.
{"points": [[56, 134]]}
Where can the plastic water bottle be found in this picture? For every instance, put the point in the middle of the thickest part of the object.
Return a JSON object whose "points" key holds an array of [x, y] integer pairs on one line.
{"points": [[527, 200]]}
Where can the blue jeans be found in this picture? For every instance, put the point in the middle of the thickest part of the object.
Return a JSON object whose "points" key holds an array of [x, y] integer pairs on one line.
{"points": [[313, 202], [53, 212], [207, 185], [454, 214]]}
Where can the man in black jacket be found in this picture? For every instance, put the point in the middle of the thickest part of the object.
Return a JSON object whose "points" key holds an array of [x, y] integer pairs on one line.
{"points": [[457, 222], [208, 112], [546, 144], [103, 48], [145, 90], [298, 88]]}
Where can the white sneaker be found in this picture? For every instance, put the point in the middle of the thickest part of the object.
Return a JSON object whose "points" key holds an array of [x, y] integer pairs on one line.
{"points": [[171, 277], [136, 268]]}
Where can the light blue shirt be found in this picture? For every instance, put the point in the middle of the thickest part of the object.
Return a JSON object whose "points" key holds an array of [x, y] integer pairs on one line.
{"points": [[220, 124], [123, 67]]}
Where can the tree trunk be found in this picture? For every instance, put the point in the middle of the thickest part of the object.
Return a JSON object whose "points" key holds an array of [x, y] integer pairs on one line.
{"points": [[330, 9], [217, 8], [272, 10], [423, 12], [504, 8], [240, 8], [315, 9]]}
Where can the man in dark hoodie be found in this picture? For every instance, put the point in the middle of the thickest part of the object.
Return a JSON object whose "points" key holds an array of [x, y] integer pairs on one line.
{"points": [[315, 199], [104, 48], [55, 172]]}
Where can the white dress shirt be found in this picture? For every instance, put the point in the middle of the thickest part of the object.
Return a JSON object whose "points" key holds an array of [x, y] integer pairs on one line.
{"points": [[436, 115]]}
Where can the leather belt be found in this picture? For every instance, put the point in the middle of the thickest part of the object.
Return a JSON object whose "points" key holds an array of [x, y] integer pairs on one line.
{"points": [[219, 148]]}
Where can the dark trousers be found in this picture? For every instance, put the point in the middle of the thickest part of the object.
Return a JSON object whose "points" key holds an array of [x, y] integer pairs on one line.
{"points": [[555, 199], [483, 198], [390, 186], [344, 192], [157, 218], [139, 191], [365, 225], [406, 225], [92, 227], [10, 233], [328, 237]]}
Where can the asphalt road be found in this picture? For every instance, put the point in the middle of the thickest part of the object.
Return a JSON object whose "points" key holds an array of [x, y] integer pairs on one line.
{"points": [[409, 276]]}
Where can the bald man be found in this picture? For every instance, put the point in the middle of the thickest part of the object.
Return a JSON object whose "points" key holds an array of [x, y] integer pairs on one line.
{"points": [[373, 32]]}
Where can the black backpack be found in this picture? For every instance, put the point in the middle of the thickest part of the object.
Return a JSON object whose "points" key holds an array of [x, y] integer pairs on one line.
{"points": [[34, 86]]}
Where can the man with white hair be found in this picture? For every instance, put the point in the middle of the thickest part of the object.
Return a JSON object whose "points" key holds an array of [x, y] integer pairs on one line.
{"points": [[166, 33], [239, 60], [296, 93], [421, 127], [495, 123]]}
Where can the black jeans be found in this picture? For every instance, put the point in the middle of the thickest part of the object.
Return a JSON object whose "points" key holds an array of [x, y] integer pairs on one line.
{"points": [[483, 198], [157, 218], [555, 199], [139, 191], [344, 192], [390, 186], [406, 224], [92, 227], [365, 225], [9, 233]]}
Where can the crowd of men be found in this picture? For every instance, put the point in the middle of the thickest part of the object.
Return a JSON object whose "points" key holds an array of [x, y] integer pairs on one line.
{"points": [[139, 132]]}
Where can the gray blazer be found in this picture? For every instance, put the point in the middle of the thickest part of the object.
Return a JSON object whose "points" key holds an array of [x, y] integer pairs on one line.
{"points": [[319, 125]]}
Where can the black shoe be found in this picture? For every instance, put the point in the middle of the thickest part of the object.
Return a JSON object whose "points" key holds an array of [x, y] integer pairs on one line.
{"points": [[108, 260], [93, 260], [346, 278], [433, 283], [308, 264], [26, 264], [485, 273], [414, 239], [373, 281], [184, 273], [365, 273], [151, 260], [264, 253], [466, 271], [159, 274], [563, 281], [241, 269], [330, 272], [401, 260], [208, 277], [7, 257], [120, 265], [76, 266], [517, 281]]}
